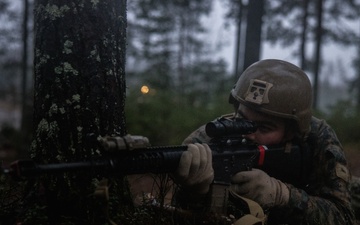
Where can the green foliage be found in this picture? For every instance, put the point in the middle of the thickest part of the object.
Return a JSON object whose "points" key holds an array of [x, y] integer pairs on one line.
{"points": [[168, 118], [169, 51], [344, 117]]}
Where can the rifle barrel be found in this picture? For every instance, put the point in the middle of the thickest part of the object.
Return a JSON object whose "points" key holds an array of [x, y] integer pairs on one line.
{"points": [[227, 160]]}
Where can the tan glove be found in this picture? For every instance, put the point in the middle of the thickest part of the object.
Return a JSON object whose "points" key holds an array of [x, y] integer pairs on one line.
{"points": [[195, 172], [261, 188]]}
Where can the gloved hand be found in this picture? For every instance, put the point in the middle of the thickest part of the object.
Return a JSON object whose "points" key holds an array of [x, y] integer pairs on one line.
{"points": [[261, 188], [195, 172]]}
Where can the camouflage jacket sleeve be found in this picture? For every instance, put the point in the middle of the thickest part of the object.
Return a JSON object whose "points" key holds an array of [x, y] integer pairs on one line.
{"points": [[198, 136], [326, 197]]}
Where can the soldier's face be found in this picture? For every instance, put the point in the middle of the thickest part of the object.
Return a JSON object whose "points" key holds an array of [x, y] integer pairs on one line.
{"points": [[271, 130]]}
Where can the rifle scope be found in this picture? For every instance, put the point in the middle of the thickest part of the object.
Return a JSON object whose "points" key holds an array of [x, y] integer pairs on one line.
{"points": [[223, 126]]}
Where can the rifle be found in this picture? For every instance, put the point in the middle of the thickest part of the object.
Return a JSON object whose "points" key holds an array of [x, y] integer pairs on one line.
{"points": [[231, 154]]}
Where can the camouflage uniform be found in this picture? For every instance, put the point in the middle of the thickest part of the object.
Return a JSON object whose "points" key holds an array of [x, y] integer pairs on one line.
{"points": [[355, 196], [324, 200]]}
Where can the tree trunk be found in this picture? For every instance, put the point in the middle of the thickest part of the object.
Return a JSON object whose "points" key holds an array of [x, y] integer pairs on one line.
{"points": [[303, 34], [24, 65], [317, 60], [239, 22], [79, 90], [253, 32]]}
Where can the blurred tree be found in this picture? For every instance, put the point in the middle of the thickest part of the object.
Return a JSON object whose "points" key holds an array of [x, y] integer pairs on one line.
{"points": [[150, 28], [10, 45], [355, 83], [166, 120], [15, 69], [239, 21], [289, 22], [253, 32], [248, 18], [286, 21], [79, 90], [167, 42], [317, 52], [168, 52], [9, 33], [304, 30], [26, 103]]}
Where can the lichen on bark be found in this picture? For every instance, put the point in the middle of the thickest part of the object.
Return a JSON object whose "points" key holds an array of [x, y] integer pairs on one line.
{"points": [[79, 90]]}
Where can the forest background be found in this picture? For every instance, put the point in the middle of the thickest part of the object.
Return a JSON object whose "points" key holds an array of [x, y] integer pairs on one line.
{"points": [[176, 76], [189, 56]]}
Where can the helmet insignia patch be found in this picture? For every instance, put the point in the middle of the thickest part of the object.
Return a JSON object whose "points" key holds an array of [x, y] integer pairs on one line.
{"points": [[258, 92]]}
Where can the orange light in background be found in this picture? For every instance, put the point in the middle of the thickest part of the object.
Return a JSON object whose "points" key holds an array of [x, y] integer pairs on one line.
{"points": [[144, 89]]}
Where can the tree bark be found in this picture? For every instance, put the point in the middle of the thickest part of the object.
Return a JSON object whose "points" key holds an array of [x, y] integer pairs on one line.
{"points": [[79, 90]]}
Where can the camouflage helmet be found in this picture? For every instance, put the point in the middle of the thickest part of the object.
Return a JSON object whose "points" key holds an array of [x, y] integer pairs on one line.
{"points": [[277, 88]]}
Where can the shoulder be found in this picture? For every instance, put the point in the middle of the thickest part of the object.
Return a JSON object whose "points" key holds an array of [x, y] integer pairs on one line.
{"points": [[197, 136], [322, 133], [327, 148], [318, 124]]}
